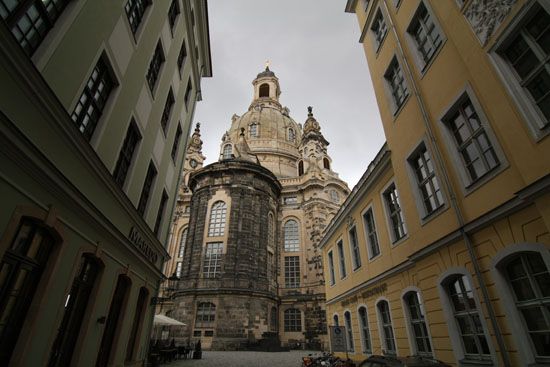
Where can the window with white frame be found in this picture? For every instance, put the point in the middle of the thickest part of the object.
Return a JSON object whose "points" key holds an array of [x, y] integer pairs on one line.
{"points": [[179, 265], [212, 266], [292, 271], [426, 180], [425, 34], [529, 280], [372, 237], [291, 236], [332, 278], [472, 142], [253, 130], [354, 245], [342, 259], [293, 320], [379, 29], [364, 329], [218, 213], [227, 151], [386, 327], [183, 238], [417, 323], [466, 315], [349, 331], [396, 83], [206, 314], [526, 64], [395, 214]]}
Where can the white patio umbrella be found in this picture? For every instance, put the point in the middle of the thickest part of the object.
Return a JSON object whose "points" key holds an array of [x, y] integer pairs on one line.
{"points": [[162, 320]]}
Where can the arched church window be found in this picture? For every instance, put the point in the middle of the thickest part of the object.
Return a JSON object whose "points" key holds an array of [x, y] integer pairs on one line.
{"points": [[291, 135], [273, 320], [291, 236], [300, 168], [270, 230], [334, 196], [326, 163], [227, 151], [216, 227], [253, 130], [264, 90], [183, 238]]}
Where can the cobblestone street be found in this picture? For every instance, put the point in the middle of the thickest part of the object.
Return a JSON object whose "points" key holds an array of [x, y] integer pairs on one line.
{"points": [[244, 359]]}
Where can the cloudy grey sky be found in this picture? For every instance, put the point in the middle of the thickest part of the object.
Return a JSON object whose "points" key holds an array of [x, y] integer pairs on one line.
{"points": [[314, 51]]}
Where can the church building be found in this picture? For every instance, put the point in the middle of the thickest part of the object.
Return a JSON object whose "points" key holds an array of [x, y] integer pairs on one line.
{"points": [[245, 237]]}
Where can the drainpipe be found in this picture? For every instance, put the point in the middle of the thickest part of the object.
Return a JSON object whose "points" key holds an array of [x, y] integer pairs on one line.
{"points": [[452, 194]]}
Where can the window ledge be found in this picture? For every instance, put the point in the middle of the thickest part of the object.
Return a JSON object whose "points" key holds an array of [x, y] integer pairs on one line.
{"points": [[475, 362]]}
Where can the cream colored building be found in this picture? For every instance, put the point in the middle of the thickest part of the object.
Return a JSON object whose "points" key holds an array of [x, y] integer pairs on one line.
{"points": [[96, 99], [292, 275], [451, 258]]}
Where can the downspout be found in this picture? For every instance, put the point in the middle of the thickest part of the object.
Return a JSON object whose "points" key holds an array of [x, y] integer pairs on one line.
{"points": [[452, 194]]}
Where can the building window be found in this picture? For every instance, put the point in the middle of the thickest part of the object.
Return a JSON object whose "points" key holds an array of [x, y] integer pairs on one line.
{"points": [[211, 267], [426, 180], [179, 265], [291, 135], [134, 11], [176, 143], [187, 96], [173, 12], [292, 271], [364, 328], [92, 101], [273, 321], [253, 128], [396, 84], [182, 56], [227, 151], [160, 214], [264, 90], [165, 118], [291, 236], [379, 29], [335, 319], [216, 226], [30, 20], [206, 314], [154, 66], [332, 278], [372, 237], [425, 34], [474, 146], [146, 190], [141, 306], [529, 279], [349, 331], [293, 320], [395, 214], [126, 155], [386, 327], [76, 304], [526, 64], [300, 168], [417, 322], [183, 238], [326, 163], [290, 200], [342, 259], [354, 245], [334, 196], [467, 318]]}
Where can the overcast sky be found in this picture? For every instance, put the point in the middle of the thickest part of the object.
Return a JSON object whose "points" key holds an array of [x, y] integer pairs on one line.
{"points": [[314, 51]]}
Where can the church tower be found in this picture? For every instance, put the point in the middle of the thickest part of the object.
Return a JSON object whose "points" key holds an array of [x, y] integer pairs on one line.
{"points": [[250, 270]]}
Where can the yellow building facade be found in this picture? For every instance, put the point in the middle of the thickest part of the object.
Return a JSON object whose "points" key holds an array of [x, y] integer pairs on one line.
{"points": [[442, 248]]}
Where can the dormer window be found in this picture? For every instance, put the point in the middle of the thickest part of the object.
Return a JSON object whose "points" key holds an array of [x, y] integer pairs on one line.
{"points": [[253, 129], [264, 90], [291, 135], [227, 151]]}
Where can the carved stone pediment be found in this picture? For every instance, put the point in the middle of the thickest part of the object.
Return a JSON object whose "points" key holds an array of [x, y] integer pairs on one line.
{"points": [[485, 16]]}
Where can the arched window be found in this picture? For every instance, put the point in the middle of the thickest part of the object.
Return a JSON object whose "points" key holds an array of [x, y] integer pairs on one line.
{"points": [[336, 321], [264, 90], [273, 319], [270, 230], [291, 236], [206, 314], [21, 269], [291, 135], [364, 328], [183, 238], [349, 330], [253, 129], [300, 168], [529, 280], [326, 163], [293, 320], [467, 317], [384, 318], [141, 307], [227, 151], [417, 322], [334, 196], [216, 227]]}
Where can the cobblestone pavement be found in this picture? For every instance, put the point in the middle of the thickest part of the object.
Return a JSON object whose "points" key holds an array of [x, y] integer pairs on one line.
{"points": [[244, 359]]}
